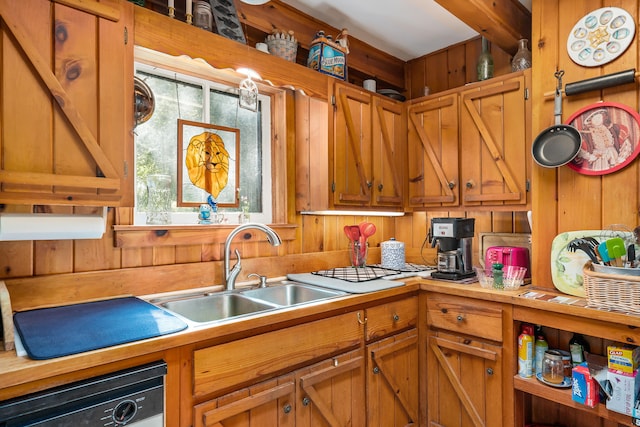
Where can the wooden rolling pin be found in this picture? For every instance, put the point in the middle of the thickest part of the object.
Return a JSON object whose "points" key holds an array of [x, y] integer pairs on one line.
{"points": [[598, 83]]}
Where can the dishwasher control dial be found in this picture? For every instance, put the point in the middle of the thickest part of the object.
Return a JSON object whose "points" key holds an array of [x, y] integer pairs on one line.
{"points": [[124, 412]]}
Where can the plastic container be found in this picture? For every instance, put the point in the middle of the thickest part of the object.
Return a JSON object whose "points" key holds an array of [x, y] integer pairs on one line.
{"points": [[541, 347]]}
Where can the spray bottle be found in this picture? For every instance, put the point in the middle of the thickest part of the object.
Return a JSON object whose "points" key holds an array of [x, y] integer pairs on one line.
{"points": [[525, 351]]}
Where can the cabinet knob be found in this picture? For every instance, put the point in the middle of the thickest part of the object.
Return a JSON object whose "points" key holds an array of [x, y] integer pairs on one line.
{"points": [[460, 318], [470, 184], [396, 317], [369, 184], [306, 401], [489, 371], [376, 370], [287, 408], [452, 185], [380, 187]]}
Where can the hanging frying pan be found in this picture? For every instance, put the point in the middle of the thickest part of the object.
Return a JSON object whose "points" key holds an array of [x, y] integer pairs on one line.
{"points": [[559, 144]]}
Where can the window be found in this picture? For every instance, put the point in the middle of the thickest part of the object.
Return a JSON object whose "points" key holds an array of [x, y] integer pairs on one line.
{"points": [[198, 99]]}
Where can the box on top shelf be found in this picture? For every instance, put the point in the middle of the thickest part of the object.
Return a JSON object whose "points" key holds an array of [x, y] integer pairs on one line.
{"points": [[623, 359], [329, 56]]}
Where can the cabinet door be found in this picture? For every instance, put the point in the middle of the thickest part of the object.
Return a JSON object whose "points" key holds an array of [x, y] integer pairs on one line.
{"points": [[495, 143], [352, 147], [464, 381], [433, 152], [389, 132], [332, 392], [69, 100], [270, 403], [312, 153], [392, 380]]}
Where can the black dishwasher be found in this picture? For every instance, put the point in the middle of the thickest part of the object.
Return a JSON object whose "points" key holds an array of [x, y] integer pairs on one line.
{"points": [[131, 397]]}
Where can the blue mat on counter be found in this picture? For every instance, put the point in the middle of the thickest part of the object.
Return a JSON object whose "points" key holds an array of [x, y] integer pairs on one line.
{"points": [[47, 333]]}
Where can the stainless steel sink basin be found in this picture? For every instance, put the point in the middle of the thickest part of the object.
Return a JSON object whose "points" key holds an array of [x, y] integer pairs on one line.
{"points": [[290, 293], [205, 308], [209, 308]]}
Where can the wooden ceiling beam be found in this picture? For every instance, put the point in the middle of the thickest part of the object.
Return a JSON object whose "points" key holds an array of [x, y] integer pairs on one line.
{"points": [[503, 22]]}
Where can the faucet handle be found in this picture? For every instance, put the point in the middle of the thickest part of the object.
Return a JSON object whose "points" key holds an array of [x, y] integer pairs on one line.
{"points": [[263, 279]]}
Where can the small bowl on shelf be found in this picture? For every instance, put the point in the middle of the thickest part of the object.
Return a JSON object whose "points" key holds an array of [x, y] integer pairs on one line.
{"points": [[485, 277], [513, 277]]}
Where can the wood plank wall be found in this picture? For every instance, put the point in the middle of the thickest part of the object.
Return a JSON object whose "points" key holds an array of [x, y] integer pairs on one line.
{"points": [[452, 67], [565, 200], [318, 237]]}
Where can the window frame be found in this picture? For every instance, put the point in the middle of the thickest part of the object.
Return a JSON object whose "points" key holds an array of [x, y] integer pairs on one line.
{"points": [[279, 98]]}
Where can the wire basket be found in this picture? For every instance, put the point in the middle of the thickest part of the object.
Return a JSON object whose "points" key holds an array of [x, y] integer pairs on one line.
{"points": [[616, 292]]}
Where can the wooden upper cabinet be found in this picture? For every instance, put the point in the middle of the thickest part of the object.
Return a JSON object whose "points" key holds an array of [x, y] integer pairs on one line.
{"points": [[470, 147], [67, 104], [432, 168], [367, 152], [495, 140]]}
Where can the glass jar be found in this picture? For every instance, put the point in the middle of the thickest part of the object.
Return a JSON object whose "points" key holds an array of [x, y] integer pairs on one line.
{"points": [[158, 199], [553, 367], [202, 15], [522, 59], [358, 253], [485, 62]]}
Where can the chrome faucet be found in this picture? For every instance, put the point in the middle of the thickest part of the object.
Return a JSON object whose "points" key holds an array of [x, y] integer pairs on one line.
{"points": [[231, 275]]}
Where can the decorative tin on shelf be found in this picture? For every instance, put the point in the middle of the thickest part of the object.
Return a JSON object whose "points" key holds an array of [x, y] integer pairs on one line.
{"points": [[328, 56], [225, 19]]}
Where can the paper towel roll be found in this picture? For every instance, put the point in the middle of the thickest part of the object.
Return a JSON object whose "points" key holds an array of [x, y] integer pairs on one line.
{"points": [[392, 254]]}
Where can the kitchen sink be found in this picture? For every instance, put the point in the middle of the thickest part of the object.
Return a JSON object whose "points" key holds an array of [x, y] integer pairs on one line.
{"points": [[213, 307], [290, 293], [204, 308]]}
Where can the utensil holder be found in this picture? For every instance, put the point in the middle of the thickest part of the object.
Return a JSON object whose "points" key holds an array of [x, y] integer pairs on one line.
{"points": [[616, 292], [358, 253]]}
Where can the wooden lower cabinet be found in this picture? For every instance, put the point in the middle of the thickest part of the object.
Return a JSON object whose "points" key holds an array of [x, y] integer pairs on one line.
{"points": [[269, 403], [392, 363], [464, 362], [328, 393], [332, 392], [464, 381], [393, 380]]}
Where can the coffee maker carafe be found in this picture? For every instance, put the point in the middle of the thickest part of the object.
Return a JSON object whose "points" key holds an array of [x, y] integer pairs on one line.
{"points": [[453, 238]]}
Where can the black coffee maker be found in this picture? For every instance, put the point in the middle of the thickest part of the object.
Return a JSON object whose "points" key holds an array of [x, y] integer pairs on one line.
{"points": [[453, 238]]}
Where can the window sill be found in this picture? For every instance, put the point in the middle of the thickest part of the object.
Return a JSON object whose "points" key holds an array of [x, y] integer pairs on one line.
{"points": [[140, 236]]}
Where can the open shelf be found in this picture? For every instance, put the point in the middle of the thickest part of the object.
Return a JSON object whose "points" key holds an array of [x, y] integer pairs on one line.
{"points": [[563, 396]]}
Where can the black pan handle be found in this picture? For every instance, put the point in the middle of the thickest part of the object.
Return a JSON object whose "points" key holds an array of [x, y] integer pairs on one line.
{"points": [[600, 82]]}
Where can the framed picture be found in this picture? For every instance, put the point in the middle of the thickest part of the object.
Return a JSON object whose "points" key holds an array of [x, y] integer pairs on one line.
{"points": [[208, 164], [610, 138]]}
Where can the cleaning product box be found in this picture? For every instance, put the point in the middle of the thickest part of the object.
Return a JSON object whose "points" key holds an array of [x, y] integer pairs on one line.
{"points": [[623, 359], [624, 388], [584, 388]]}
